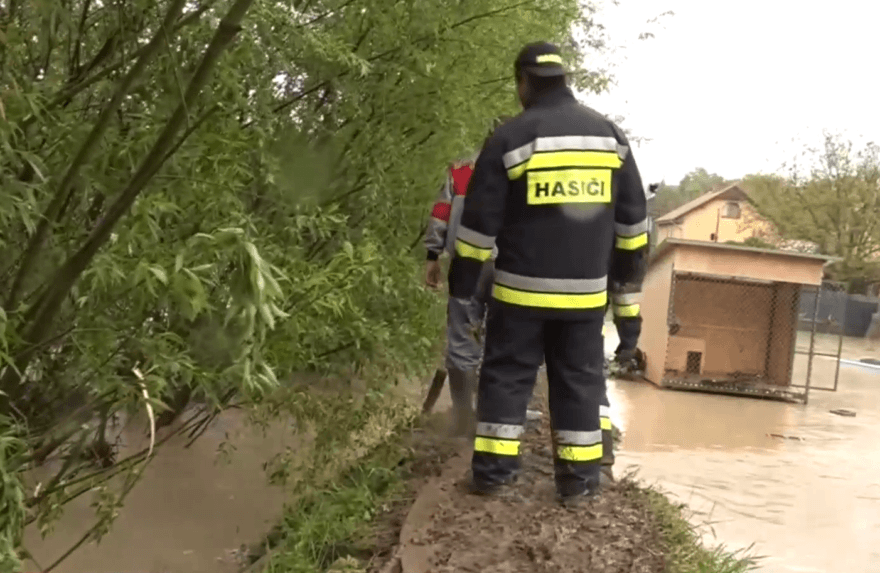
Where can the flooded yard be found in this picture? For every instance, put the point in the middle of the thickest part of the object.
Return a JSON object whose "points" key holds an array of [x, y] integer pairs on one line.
{"points": [[799, 482]]}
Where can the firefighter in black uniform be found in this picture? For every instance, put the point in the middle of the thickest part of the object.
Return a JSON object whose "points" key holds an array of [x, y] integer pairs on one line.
{"points": [[555, 188]]}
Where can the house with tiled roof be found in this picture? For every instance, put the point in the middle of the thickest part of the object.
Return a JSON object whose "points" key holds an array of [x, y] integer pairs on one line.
{"points": [[719, 216]]}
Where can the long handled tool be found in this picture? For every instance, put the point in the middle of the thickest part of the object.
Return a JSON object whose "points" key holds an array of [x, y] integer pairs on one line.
{"points": [[434, 390]]}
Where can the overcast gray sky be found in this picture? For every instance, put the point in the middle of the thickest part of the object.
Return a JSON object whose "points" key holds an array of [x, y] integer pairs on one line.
{"points": [[728, 85]]}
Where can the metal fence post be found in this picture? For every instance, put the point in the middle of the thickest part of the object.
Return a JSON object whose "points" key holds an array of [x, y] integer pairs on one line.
{"points": [[840, 338], [812, 344], [670, 319], [795, 328]]}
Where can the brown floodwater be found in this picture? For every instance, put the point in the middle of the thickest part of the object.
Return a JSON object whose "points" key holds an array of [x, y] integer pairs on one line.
{"points": [[190, 513], [809, 501]]}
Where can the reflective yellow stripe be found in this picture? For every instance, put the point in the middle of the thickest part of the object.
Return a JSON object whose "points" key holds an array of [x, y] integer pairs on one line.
{"points": [[579, 453], [626, 311], [518, 171], [562, 159], [632, 243], [496, 446], [550, 300], [605, 423], [549, 58], [471, 252]]}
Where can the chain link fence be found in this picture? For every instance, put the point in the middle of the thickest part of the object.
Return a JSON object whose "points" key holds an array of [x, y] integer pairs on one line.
{"points": [[822, 316], [740, 336]]}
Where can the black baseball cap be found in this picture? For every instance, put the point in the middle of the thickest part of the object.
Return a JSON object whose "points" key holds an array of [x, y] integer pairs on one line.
{"points": [[540, 59]]}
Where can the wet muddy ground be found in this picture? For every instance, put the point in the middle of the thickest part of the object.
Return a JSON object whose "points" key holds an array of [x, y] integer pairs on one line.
{"points": [[431, 451], [449, 530]]}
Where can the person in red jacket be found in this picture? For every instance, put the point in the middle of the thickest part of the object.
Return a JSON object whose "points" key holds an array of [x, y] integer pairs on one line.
{"points": [[464, 316]]}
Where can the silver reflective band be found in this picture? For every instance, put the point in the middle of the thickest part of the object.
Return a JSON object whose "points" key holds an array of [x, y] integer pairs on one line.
{"points": [[474, 238], [503, 431], [604, 411], [626, 299], [536, 284], [631, 230], [622, 152], [571, 438], [563, 143]]}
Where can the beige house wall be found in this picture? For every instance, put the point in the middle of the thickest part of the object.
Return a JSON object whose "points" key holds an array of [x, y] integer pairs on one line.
{"points": [[655, 304]]}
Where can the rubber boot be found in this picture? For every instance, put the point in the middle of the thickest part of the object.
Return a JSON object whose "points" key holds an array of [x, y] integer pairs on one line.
{"points": [[462, 385]]}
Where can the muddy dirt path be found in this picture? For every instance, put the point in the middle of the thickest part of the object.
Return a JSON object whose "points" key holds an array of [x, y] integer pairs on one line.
{"points": [[797, 483], [449, 530]]}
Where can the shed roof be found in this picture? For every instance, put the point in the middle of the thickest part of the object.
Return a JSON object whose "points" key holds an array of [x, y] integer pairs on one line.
{"points": [[671, 243], [741, 263]]}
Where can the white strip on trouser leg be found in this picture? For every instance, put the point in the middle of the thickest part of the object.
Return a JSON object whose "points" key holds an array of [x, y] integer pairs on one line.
{"points": [[498, 439], [605, 417]]}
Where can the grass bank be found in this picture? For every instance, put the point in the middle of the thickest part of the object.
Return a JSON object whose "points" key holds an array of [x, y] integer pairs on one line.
{"points": [[353, 524], [683, 548]]}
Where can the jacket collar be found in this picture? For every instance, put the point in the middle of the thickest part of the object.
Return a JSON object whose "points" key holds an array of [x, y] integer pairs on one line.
{"points": [[552, 97]]}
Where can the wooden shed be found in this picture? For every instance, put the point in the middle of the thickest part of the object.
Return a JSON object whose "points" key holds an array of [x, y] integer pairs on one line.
{"points": [[723, 318]]}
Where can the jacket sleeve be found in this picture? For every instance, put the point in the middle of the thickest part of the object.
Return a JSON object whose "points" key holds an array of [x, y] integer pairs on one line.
{"points": [[626, 305], [630, 221], [438, 223], [481, 219]]}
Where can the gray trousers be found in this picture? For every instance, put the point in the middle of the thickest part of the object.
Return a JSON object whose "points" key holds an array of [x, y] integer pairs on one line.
{"points": [[464, 324]]}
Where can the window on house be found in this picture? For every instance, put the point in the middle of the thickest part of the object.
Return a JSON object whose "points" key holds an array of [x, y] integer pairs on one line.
{"points": [[730, 210]]}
